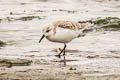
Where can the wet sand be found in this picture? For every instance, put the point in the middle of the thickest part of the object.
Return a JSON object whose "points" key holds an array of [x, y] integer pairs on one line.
{"points": [[92, 57]]}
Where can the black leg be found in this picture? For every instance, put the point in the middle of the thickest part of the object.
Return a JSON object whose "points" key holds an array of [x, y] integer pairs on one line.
{"points": [[59, 55], [64, 49], [64, 57]]}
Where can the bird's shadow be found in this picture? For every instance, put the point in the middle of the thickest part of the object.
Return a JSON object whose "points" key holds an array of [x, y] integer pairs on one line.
{"points": [[67, 51]]}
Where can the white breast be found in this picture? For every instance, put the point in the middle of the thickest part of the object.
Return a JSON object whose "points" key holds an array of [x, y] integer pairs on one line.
{"points": [[63, 35]]}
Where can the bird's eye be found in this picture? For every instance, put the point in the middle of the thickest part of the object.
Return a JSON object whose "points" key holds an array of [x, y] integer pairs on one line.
{"points": [[47, 31]]}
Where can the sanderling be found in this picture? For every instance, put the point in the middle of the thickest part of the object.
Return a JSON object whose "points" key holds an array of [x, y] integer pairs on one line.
{"points": [[62, 31]]}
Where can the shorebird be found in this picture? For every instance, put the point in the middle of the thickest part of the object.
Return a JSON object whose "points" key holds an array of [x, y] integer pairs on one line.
{"points": [[62, 31]]}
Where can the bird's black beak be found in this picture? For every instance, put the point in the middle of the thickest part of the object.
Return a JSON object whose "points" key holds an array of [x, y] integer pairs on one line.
{"points": [[41, 38]]}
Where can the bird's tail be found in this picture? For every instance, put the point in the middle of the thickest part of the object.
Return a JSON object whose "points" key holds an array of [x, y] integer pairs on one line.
{"points": [[85, 27]]}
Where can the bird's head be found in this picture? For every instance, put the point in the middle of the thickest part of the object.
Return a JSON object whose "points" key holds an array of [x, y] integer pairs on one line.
{"points": [[47, 30]]}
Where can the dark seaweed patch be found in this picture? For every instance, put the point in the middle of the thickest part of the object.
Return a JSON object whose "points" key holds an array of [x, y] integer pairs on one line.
{"points": [[24, 18], [107, 24], [64, 10], [27, 18], [2, 43], [14, 62]]}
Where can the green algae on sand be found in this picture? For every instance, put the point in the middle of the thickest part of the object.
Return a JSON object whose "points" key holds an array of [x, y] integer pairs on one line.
{"points": [[105, 24], [2, 43], [14, 62]]}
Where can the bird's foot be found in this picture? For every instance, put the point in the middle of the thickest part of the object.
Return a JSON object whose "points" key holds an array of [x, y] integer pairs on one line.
{"points": [[59, 56], [58, 50]]}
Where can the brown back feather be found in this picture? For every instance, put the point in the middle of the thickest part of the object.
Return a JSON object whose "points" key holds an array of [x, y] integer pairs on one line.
{"points": [[67, 25]]}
